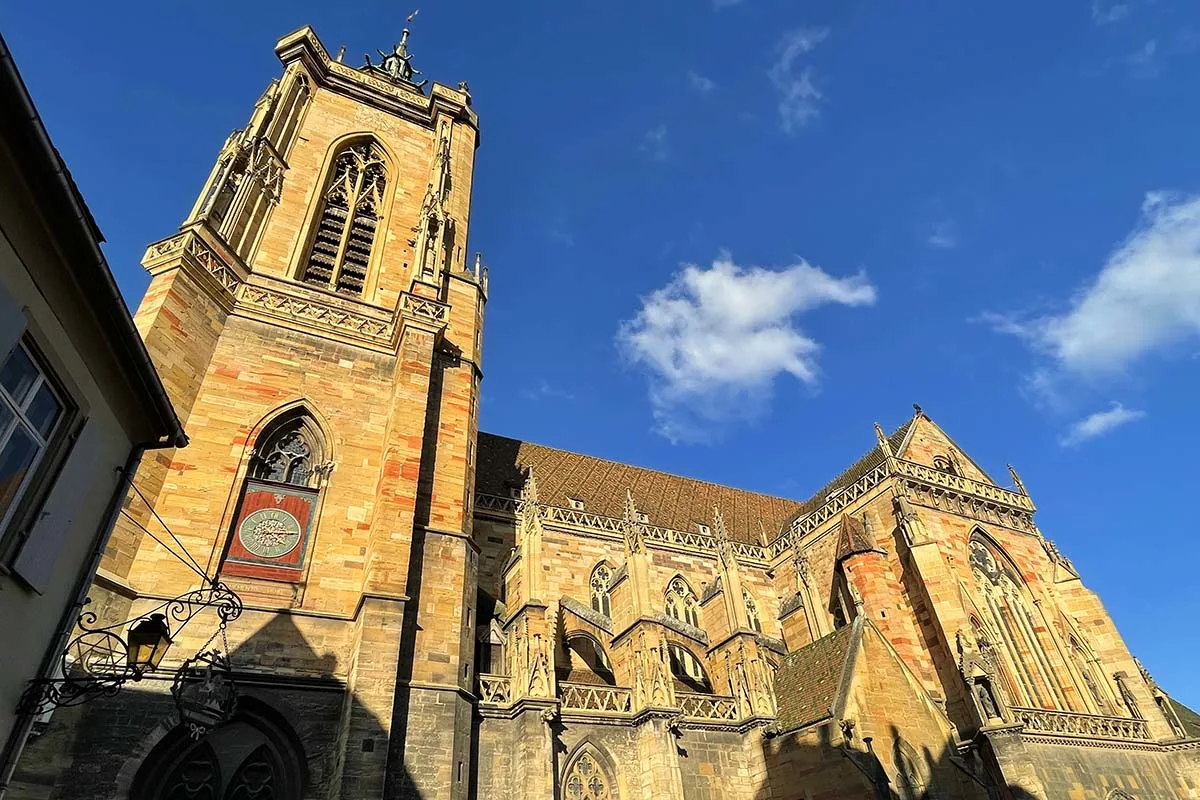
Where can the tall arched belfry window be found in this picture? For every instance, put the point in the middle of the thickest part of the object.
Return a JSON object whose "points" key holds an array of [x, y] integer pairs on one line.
{"points": [[1013, 624], [347, 220], [279, 500]]}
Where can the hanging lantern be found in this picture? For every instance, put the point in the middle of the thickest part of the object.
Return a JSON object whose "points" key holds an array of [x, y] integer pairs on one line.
{"points": [[148, 641], [204, 692]]}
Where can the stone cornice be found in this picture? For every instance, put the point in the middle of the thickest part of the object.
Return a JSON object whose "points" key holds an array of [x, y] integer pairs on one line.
{"points": [[400, 99], [927, 486], [275, 300]]}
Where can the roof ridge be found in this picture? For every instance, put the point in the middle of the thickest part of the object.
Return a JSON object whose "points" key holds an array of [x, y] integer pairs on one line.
{"points": [[643, 469]]}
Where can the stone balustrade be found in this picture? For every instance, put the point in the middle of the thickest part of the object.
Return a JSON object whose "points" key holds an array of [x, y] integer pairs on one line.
{"points": [[592, 697], [495, 690], [708, 707], [964, 485], [1067, 723]]}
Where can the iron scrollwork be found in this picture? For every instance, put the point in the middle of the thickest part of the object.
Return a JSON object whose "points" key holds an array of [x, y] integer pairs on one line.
{"points": [[96, 661]]}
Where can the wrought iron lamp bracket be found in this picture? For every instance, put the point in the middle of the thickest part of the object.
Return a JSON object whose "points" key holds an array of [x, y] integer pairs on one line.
{"points": [[96, 662]]}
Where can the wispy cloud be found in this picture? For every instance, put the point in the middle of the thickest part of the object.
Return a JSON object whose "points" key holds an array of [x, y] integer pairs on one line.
{"points": [[1145, 299], [699, 83], [1107, 13], [1098, 424], [943, 235], [654, 144], [799, 96], [544, 391], [726, 3], [1144, 62], [713, 340]]}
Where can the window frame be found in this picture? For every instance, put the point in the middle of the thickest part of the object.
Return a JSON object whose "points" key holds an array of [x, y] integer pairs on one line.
{"points": [[41, 476]]}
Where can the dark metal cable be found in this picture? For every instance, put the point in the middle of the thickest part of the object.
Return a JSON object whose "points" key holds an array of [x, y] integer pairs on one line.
{"points": [[166, 547], [182, 546]]}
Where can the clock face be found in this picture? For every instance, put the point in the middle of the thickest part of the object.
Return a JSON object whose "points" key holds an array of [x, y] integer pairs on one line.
{"points": [[269, 533]]}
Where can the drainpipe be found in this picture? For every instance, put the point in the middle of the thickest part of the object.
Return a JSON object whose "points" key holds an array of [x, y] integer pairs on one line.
{"points": [[24, 724]]}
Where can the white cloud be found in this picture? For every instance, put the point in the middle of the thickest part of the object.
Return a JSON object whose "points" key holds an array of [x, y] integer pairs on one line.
{"points": [[942, 236], [544, 391], [799, 97], [1098, 424], [1144, 62], [1145, 300], [654, 144], [714, 339], [699, 83], [1105, 14]]}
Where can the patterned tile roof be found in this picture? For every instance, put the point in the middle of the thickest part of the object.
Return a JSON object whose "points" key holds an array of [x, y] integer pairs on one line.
{"points": [[809, 680], [668, 500]]}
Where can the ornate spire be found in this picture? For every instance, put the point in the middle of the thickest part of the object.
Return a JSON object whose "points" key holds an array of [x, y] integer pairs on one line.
{"points": [[397, 65], [1017, 480]]}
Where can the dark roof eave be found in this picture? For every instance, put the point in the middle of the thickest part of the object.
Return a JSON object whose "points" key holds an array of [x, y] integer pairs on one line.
{"points": [[75, 228]]}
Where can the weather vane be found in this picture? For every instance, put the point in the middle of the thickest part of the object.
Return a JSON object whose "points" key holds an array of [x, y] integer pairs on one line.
{"points": [[397, 64]]}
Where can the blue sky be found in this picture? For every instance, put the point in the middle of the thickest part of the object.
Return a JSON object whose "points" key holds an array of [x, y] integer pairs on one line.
{"points": [[726, 238]]}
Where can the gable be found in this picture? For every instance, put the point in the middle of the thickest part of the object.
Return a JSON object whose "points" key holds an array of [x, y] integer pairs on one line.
{"points": [[928, 442]]}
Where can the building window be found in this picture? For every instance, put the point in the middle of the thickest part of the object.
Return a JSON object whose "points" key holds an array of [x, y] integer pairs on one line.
{"points": [[682, 603], [30, 414], [587, 780], [601, 579], [349, 214], [841, 602], [752, 611], [575, 503], [1011, 627], [279, 501], [289, 452]]}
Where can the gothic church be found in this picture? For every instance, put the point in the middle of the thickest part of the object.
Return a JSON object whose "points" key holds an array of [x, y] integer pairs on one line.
{"points": [[435, 612]]}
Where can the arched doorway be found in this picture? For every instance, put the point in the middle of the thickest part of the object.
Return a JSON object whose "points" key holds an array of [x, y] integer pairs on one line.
{"points": [[256, 756]]}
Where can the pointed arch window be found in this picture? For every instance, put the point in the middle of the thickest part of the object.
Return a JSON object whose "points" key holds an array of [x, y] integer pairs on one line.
{"points": [[291, 451], [279, 500], [601, 581], [1013, 625], [347, 221], [587, 779], [682, 603], [752, 611]]}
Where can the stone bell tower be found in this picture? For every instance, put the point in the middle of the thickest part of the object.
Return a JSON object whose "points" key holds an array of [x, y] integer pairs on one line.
{"points": [[317, 322]]}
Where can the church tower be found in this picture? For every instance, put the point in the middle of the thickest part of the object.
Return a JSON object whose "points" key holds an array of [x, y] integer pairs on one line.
{"points": [[317, 322]]}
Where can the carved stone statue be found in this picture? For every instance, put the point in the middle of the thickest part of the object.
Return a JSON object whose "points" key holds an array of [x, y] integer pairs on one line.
{"points": [[986, 700], [1127, 696]]}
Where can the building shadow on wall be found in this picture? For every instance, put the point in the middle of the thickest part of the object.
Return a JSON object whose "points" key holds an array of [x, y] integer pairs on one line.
{"points": [[808, 763], [291, 732]]}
